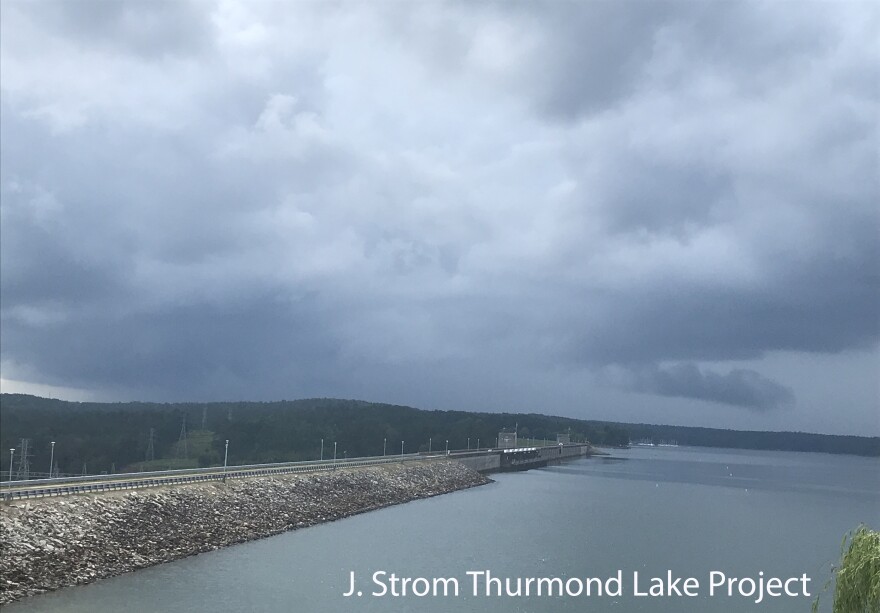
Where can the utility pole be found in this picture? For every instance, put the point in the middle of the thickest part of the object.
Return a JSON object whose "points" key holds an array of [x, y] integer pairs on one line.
{"points": [[24, 464], [151, 451], [51, 458], [181, 443], [225, 460]]}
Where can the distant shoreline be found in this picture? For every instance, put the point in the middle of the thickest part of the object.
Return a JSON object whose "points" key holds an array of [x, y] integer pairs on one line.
{"points": [[707, 447]]}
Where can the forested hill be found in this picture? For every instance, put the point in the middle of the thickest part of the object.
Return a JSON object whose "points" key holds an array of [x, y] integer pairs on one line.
{"points": [[750, 439], [108, 436], [115, 436]]}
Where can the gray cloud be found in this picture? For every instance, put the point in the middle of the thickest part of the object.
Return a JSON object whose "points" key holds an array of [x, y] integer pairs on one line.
{"points": [[739, 387], [443, 204], [150, 30]]}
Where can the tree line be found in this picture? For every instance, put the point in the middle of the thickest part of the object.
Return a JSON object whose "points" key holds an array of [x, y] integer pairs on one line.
{"points": [[114, 437], [108, 436]]}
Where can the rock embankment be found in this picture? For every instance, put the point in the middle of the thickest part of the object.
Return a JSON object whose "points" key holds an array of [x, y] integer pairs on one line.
{"points": [[57, 542]]}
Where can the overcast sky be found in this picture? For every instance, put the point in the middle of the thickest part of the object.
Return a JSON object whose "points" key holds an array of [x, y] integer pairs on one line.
{"points": [[655, 212]]}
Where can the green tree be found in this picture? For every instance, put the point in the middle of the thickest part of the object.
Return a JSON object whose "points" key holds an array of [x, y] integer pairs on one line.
{"points": [[857, 588]]}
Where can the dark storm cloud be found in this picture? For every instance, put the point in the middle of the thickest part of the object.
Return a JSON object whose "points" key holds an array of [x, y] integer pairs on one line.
{"points": [[824, 307], [221, 200], [199, 350], [739, 387]]}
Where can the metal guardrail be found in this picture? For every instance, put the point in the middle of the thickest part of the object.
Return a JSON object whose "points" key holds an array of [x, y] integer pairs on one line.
{"points": [[39, 488], [64, 486]]}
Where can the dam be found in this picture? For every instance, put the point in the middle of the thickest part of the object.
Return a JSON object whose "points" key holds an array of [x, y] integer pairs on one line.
{"points": [[61, 532], [521, 458]]}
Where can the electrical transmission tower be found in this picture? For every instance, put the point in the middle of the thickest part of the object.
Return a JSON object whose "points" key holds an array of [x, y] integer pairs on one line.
{"points": [[182, 451], [151, 451], [24, 462]]}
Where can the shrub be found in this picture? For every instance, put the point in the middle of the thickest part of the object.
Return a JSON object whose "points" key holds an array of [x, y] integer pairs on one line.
{"points": [[857, 588]]}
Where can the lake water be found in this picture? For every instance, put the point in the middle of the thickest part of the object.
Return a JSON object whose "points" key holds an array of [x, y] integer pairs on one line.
{"points": [[650, 510]]}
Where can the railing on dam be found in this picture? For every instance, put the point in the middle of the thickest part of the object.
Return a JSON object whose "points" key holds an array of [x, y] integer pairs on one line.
{"points": [[38, 488], [484, 460]]}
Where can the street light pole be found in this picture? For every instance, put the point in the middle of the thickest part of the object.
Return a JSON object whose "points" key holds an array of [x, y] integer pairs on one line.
{"points": [[322, 450], [51, 458], [447, 447], [334, 453], [11, 457], [478, 443], [384, 445], [401, 449], [225, 460], [469, 443]]}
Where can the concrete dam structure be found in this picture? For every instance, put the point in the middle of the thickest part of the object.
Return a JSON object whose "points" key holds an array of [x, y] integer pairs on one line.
{"points": [[521, 458], [54, 542], [62, 536]]}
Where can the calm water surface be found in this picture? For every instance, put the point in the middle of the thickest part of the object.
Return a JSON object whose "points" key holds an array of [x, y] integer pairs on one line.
{"points": [[688, 510]]}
